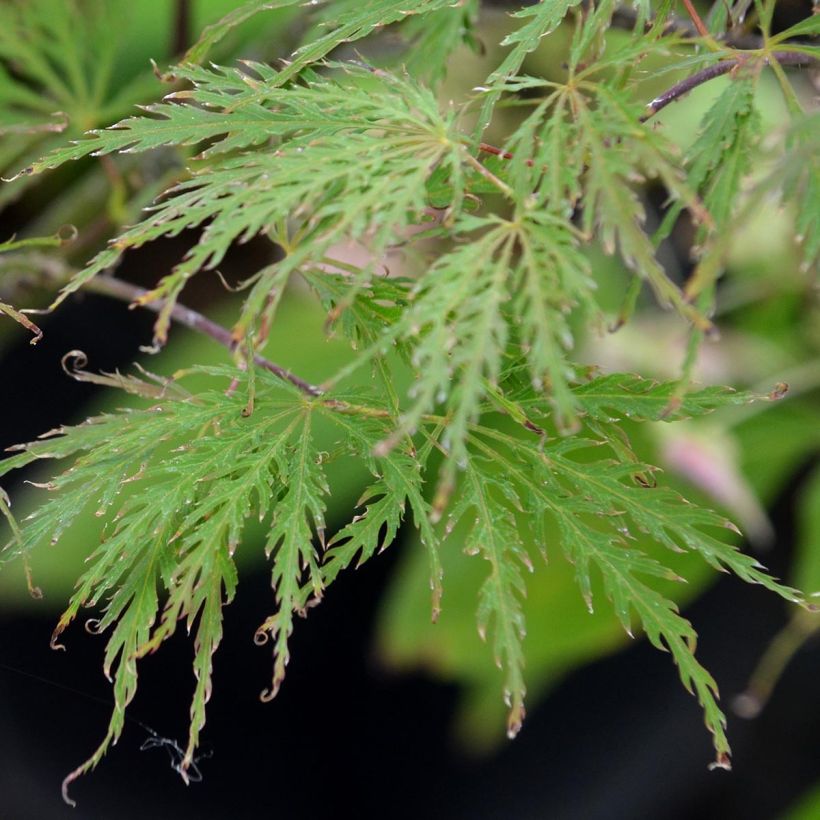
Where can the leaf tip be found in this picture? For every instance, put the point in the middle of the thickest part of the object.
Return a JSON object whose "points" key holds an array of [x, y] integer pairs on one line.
{"points": [[779, 391], [722, 761], [26, 172]]}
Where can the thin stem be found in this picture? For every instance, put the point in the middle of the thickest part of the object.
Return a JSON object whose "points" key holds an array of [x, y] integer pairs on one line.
{"points": [[781, 650], [182, 27], [486, 148], [718, 70], [126, 292], [489, 176], [696, 20]]}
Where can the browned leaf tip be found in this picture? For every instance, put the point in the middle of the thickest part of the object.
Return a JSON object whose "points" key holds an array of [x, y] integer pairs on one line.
{"points": [[723, 761], [779, 390]]}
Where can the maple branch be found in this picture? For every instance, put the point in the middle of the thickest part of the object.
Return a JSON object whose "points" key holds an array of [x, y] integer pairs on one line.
{"points": [[717, 70], [126, 292]]}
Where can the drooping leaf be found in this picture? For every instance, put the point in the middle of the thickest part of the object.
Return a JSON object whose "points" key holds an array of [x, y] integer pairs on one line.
{"points": [[619, 396]]}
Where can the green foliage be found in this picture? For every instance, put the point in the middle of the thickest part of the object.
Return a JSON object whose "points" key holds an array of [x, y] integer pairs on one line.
{"points": [[59, 73], [541, 18], [503, 437], [800, 179], [324, 122]]}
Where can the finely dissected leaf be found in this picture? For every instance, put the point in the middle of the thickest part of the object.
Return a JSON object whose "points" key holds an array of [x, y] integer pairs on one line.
{"points": [[584, 145], [495, 537], [612, 209], [374, 309], [58, 64], [177, 530], [399, 483], [721, 156], [618, 396], [353, 22], [315, 155], [555, 279], [719, 161], [462, 333], [51, 53], [367, 142], [298, 515], [542, 18], [576, 494], [658, 616], [525, 274]]}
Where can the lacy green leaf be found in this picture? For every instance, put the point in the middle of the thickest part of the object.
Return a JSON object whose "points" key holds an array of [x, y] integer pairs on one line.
{"points": [[541, 19], [368, 142]]}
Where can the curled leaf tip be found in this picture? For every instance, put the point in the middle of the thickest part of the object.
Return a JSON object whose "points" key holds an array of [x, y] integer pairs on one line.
{"points": [[66, 783], [73, 362], [54, 643], [67, 234], [267, 695], [261, 637]]}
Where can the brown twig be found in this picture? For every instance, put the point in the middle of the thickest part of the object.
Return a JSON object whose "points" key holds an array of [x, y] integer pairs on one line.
{"points": [[486, 148], [126, 292], [717, 70]]}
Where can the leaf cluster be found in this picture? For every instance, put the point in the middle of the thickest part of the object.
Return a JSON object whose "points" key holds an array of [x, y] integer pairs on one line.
{"points": [[503, 430]]}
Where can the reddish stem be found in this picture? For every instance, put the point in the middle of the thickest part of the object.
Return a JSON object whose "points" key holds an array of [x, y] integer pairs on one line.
{"points": [[696, 19]]}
